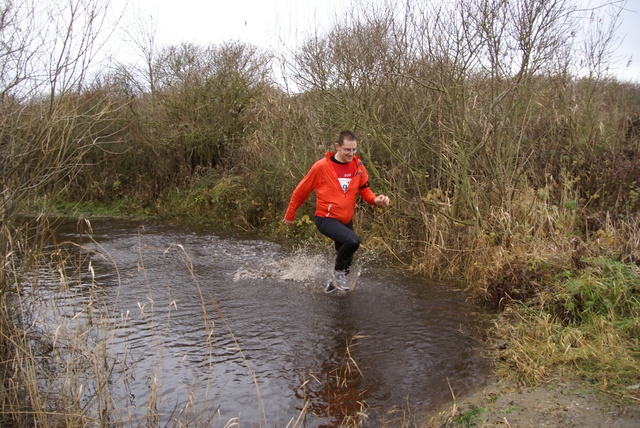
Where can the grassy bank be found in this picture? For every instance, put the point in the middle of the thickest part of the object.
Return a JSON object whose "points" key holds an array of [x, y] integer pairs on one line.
{"points": [[581, 324]]}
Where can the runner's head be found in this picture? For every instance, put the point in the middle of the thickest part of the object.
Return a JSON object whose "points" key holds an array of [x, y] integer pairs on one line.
{"points": [[346, 146]]}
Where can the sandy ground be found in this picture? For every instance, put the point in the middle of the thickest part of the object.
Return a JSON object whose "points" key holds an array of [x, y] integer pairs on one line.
{"points": [[558, 405]]}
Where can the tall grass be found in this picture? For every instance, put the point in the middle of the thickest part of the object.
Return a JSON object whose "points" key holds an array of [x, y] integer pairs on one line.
{"points": [[55, 367]]}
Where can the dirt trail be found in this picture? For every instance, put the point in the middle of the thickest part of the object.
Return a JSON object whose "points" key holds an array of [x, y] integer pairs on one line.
{"points": [[557, 405]]}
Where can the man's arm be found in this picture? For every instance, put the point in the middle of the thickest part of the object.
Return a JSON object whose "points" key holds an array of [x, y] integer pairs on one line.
{"points": [[300, 194]]}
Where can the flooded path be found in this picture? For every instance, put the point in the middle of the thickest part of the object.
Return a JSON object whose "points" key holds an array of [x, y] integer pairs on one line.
{"points": [[212, 322]]}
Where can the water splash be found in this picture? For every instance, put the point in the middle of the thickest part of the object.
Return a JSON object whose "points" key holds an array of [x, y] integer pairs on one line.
{"points": [[302, 265]]}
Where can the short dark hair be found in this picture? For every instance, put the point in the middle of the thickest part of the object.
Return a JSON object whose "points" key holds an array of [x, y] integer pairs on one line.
{"points": [[345, 135]]}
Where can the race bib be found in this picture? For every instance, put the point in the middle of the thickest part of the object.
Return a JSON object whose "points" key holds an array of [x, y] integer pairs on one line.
{"points": [[344, 183]]}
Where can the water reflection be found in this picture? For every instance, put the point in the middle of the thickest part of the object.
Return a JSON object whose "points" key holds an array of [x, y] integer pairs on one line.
{"points": [[238, 327], [334, 389]]}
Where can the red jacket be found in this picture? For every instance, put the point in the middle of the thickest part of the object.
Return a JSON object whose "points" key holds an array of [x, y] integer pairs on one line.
{"points": [[331, 200]]}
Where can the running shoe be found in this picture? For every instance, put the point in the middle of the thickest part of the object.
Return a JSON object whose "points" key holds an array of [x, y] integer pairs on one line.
{"points": [[340, 280]]}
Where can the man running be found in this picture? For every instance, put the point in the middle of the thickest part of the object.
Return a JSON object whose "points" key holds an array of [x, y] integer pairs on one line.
{"points": [[337, 178]]}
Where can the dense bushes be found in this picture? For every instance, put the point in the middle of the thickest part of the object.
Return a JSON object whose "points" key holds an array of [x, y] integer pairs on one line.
{"points": [[483, 138]]}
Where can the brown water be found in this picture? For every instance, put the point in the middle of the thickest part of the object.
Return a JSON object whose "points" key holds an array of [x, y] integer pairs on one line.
{"points": [[239, 327]]}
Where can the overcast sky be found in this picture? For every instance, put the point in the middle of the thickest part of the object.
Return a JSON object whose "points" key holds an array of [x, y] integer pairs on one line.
{"points": [[262, 22]]}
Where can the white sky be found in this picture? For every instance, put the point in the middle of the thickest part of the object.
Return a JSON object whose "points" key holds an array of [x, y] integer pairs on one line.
{"points": [[629, 50], [258, 22], [262, 22]]}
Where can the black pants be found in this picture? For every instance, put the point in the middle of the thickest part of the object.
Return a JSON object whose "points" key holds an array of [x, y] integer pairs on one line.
{"points": [[345, 239]]}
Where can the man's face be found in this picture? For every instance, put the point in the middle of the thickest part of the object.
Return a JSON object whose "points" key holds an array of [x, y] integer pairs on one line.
{"points": [[346, 152]]}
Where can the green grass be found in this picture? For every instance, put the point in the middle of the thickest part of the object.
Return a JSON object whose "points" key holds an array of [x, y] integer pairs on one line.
{"points": [[585, 325], [468, 418]]}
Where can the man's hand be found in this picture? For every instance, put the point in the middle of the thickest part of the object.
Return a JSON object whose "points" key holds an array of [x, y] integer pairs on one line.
{"points": [[381, 200], [287, 222]]}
